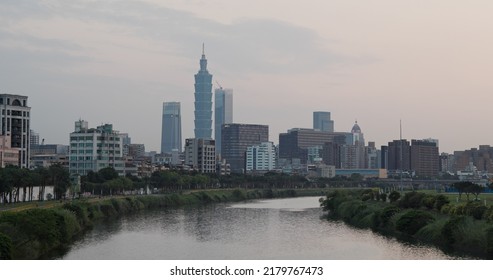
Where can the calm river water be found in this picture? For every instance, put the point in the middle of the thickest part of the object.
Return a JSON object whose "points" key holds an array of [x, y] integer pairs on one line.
{"points": [[267, 229]]}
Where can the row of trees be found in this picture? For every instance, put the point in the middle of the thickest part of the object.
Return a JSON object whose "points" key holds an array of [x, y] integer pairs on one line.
{"points": [[13, 179], [107, 182], [468, 188]]}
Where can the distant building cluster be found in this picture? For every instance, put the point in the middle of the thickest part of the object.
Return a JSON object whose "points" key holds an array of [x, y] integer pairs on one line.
{"points": [[223, 146]]}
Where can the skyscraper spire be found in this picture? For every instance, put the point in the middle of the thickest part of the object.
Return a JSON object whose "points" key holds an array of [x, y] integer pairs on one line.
{"points": [[203, 49], [203, 100]]}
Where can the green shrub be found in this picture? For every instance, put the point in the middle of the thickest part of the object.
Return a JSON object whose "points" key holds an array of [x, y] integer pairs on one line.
{"points": [[440, 201], [412, 221], [80, 212], [475, 209], [449, 232], [383, 197], [5, 247], [412, 200], [67, 224], [394, 196], [387, 213]]}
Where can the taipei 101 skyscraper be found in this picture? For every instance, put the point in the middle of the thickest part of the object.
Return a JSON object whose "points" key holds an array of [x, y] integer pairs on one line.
{"points": [[203, 101]]}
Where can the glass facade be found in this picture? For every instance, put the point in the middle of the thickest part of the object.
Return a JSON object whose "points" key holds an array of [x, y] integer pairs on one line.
{"points": [[322, 121], [171, 127], [236, 138], [203, 101], [223, 113]]}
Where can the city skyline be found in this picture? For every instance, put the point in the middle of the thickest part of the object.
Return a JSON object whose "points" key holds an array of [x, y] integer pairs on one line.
{"points": [[427, 67]]}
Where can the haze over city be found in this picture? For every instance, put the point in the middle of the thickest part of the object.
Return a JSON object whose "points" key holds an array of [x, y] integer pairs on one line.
{"points": [[426, 63]]}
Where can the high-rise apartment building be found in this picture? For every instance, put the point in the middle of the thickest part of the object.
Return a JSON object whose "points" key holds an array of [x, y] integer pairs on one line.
{"points": [[200, 154], [94, 149], [171, 128], [424, 158], [236, 138], [15, 122], [223, 113], [203, 101], [322, 121], [399, 155], [261, 158]]}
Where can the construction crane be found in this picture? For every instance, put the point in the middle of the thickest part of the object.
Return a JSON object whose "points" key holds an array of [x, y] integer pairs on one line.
{"points": [[220, 87]]}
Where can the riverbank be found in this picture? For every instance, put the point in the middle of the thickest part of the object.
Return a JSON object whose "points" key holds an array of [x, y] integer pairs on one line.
{"points": [[35, 233], [463, 229]]}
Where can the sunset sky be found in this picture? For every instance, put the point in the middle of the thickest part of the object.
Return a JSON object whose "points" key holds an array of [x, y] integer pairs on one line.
{"points": [[427, 63]]}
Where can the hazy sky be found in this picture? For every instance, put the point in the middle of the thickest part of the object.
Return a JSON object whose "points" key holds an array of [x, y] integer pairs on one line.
{"points": [[427, 62]]}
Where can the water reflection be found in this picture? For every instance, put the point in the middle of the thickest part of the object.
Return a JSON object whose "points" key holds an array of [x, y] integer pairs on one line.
{"points": [[269, 229]]}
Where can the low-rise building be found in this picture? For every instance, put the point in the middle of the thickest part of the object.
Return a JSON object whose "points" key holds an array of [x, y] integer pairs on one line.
{"points": [[94, 149], [200, 154], [8, 155]]}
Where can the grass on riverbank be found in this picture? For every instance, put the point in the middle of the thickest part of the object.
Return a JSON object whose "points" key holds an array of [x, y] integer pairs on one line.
{"points": [[456, 228], [31, 232]]}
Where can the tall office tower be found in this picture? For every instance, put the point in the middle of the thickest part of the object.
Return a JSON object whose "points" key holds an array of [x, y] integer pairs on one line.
{"points": [[236, 138], [425, 158], [223, 113], [358, 138], [203, 101], [322, 121], [353, 156], [15, 122], [171, 130], [372, 156]]}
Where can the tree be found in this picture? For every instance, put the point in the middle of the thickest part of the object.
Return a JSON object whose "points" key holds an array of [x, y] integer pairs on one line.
{"points": [[107, 173], [464, 187], [394, 196], [475, 189], [60, 179]]}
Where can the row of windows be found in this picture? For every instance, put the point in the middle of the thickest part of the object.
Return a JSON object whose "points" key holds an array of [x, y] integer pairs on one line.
{"points": [[90, 138], [75, 165], [81, 138], [16, 113], [99, 152]]}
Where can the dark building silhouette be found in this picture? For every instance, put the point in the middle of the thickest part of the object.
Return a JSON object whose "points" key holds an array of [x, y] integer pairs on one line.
{"points": [[295, 143], [424, 158], [236, 138], [399, 155]]}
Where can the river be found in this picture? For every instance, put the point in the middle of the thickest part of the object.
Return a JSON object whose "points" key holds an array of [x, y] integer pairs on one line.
{"points": [[282, 229]]}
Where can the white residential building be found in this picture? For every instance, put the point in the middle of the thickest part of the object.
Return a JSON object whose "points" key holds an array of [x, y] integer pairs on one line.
{"points": [[94, 149], [261, 157], [200, 154]]}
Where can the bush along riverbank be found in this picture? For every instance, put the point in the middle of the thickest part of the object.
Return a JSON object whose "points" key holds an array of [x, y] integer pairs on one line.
{"points": [[36, 233], [463, 229]]}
